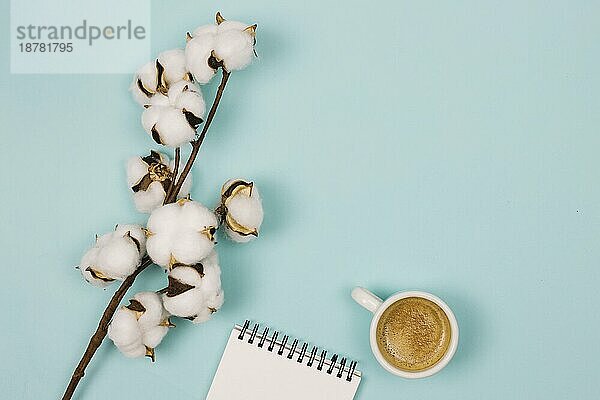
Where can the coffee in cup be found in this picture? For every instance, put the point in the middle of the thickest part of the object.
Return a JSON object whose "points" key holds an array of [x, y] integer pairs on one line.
{"points": [[413, 334]]}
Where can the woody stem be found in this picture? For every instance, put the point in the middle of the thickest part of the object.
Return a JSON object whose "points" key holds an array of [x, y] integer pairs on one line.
{"points": [[175, 172], [102, 330]]}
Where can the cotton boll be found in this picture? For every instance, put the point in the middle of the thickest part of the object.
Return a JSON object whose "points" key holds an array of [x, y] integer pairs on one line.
{"points": [[180, 232], [124, 329], [119, 258], [114, 256], [171, 128], [172, 120], [197, 53], [154, 313], [194, 291], [247, 211], [167, 126], [241, 210], [136, 329], [228, 43], [156, 76], [235, 48], [184, 305], [182, 298]]}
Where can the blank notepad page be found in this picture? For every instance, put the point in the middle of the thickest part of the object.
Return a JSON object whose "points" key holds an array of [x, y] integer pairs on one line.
{"points": [[262, 366]]}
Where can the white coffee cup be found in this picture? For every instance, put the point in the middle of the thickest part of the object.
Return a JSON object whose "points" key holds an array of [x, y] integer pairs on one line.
{"points": [[377, 306]]}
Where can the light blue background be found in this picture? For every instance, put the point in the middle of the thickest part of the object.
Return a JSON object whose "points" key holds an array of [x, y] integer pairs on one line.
{"points": [[450, 147]]}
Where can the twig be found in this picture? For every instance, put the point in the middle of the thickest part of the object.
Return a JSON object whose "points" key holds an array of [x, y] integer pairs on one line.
{"points": [[198, 142], [102, 329], [171, 195], [175, 172]]}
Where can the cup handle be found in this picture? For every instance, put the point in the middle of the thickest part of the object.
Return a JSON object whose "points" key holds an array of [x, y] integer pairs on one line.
{"points": [[366, 299]]}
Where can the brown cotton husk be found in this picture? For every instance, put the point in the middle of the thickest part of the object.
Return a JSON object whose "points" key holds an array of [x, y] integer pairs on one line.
{"points": [[209, 232], [160, 78], [238, 228], [234, 188], [198, 267], [157, 172], [150, 353], [135, 305], [99, 275], [177, 287], [192, 119], [156, 135], [134, 240], [143, 89]]}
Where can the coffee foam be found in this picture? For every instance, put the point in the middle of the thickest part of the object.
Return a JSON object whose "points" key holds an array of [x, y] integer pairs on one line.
{"points": [[413, 334]]}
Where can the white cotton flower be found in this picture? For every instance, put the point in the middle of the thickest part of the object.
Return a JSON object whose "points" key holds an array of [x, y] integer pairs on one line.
{"points": [[241, 210], [198, 53], [229, 44], [158, 75], [138, 328], [235, 48], [171, 119], [153, 314], [126, 333], [194, 291], [149, 178], [181, 232], [114, 256]]}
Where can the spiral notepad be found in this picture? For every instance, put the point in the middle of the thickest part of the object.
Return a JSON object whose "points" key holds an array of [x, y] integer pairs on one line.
{"points": [[263, 364]]}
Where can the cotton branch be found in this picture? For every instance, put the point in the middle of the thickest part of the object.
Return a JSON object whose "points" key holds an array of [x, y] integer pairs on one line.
{"points": [[102, 329]]}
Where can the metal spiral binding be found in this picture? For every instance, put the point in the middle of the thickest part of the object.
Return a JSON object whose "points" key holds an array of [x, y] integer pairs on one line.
{"points": [[289, 352]]}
